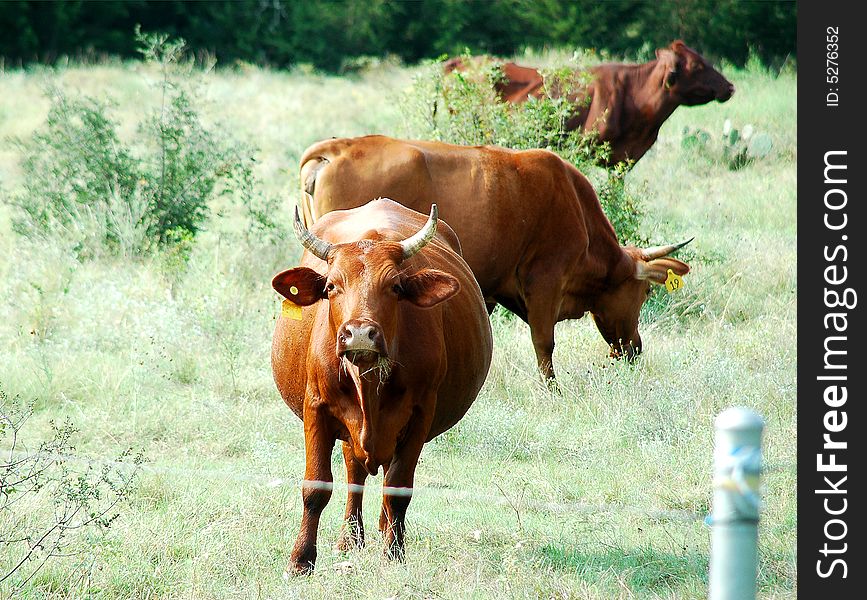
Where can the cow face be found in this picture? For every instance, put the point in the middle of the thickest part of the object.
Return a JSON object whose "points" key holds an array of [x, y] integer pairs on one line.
{"points": [[364, 283], [689, 78], [617, 310]]}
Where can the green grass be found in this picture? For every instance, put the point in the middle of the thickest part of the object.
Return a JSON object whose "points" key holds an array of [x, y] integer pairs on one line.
{"points": [[176, 363]]}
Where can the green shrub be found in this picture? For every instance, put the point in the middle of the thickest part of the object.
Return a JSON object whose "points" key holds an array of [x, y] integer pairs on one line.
{"points": [[109, 195], [80, 181], [463, 108], [53, 505], [622, 207]]}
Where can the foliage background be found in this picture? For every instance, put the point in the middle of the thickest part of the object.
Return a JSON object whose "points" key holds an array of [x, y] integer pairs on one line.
{"points": [[330, 34]]}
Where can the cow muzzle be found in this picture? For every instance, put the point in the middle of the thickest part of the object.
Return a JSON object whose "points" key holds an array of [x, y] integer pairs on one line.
{"points": [[727, 92], [361, 342], [628, 350]]}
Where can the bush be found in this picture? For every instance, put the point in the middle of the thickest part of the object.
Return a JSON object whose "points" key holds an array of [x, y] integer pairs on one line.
{"points": [[49, 506], [463, 108], [622, 208], [80, 181], [83, 182]]}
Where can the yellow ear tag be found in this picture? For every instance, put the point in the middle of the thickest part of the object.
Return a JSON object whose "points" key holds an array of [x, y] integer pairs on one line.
{"points": [[673, 282], [291, 310]]}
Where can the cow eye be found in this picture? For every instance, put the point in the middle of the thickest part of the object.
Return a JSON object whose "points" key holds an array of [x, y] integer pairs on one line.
{"points": [[397, 289], [329, 287]]}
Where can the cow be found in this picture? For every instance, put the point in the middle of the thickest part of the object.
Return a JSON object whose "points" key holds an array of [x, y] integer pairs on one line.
{"points": [[531, 228], [626, 104], [389, 348], [514, 84]]}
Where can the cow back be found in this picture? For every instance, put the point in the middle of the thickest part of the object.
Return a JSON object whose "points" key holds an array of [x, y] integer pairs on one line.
{"points": [[511, 209]]}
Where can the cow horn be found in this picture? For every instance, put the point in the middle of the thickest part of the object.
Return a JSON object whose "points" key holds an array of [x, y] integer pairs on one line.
{"points": [[412, 245], [319, 248], [660, 251]]}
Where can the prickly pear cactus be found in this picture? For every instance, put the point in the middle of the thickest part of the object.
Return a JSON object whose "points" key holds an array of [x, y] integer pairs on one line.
{"points": [[759, 146], [742, 147], [694, 138]]}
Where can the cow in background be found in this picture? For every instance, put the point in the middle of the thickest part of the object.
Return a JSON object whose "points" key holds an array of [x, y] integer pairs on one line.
{"points": [[531, 228], [626, 104]]}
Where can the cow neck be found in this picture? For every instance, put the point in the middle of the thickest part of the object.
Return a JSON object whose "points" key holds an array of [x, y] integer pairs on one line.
{"points": [[612, 268], [603, 264], [369, 391], [619, 267], [657, 105], [603, 250]]}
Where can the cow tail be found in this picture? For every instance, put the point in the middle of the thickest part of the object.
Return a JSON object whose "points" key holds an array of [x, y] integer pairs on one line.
{"points": [[310, 171]]}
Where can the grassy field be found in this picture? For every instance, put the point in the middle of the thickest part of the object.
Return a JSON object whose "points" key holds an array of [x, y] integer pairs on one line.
{"points": [[596, 493]]}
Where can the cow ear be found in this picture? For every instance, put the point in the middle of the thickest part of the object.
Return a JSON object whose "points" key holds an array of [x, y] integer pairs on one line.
{"points": [[666, 55], [671, 61], [656, 271], [428, 287], [678, 46], [301, 285]]}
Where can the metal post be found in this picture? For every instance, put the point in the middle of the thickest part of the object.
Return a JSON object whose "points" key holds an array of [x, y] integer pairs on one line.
{"points": [[736, 504]]}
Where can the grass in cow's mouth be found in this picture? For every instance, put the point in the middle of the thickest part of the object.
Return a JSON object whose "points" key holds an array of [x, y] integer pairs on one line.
{"points": [[361, 357], [368, 362]]}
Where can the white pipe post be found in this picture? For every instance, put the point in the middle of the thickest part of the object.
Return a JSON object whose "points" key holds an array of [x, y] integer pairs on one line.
{"points": [[736, 504]]}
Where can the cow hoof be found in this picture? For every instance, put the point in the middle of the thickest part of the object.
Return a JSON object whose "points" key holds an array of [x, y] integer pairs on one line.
{"points": [[347, 543], [553, 386], [395, 553], [298, 568]]}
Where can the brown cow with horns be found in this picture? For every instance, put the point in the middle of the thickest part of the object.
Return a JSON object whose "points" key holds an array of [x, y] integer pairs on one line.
{"points": [[531, 228], [391, 348], [626, 104]]}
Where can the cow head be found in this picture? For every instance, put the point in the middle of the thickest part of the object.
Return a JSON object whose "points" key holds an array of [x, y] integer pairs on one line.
{"points": [[364, 283], [616, 310], [690, 79]]}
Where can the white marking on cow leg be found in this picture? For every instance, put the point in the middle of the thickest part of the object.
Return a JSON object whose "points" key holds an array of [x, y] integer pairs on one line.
{"points": [[405, 492], [314, 484]]}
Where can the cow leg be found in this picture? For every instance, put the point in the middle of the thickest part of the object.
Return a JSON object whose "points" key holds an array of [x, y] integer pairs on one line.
{"points": [[542, 301], [315, 491], [542, 332], [396, 494], [397, 487], [352, 532]]}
